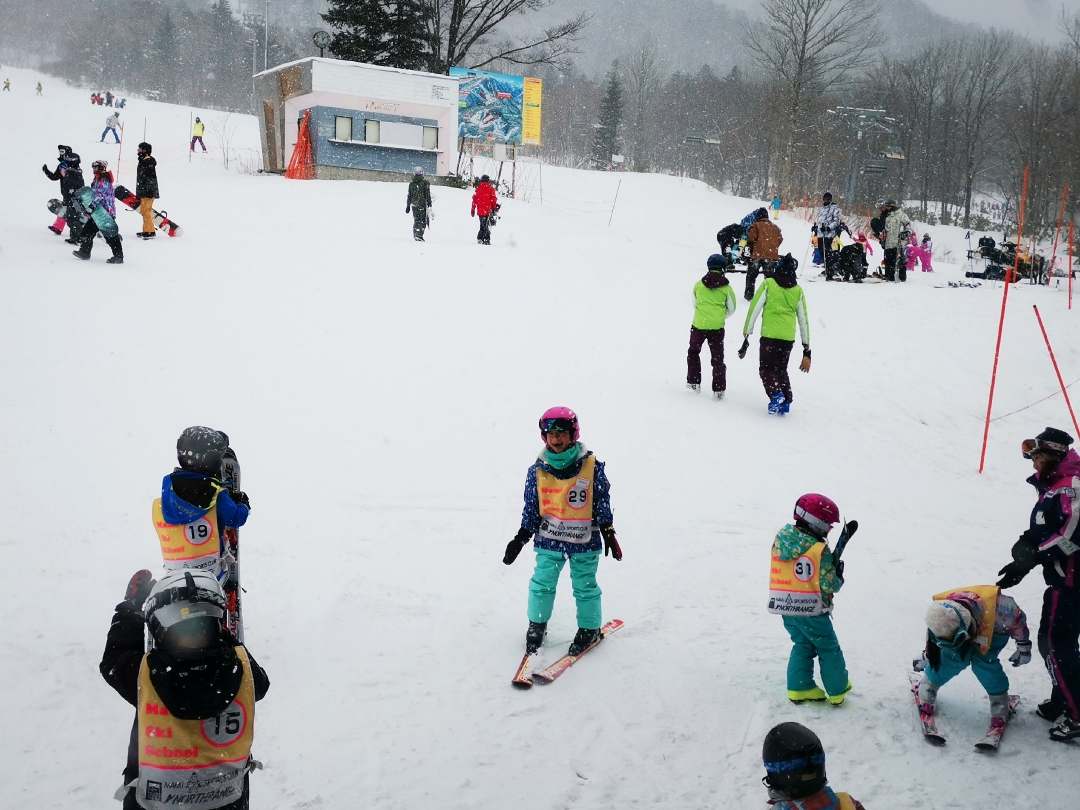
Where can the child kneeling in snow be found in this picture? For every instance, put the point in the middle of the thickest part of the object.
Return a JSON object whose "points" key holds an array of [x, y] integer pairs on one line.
{"points": [[795, 771], [970, 627], [802, 580]]}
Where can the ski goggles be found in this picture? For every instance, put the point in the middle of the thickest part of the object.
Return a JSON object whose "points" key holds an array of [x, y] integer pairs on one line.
{"points": [[565, 425], [1029, 447]]}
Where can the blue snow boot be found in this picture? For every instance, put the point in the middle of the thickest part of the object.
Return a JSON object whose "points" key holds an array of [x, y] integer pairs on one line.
{"points": [[776, 401], [784, 407]]}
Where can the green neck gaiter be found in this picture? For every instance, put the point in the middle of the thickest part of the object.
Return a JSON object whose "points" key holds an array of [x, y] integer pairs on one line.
{"points": [[560, 461]]}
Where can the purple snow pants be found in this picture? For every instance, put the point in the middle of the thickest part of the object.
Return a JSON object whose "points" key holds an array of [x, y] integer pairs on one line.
{"points": [[715, 337], [773, 356]]}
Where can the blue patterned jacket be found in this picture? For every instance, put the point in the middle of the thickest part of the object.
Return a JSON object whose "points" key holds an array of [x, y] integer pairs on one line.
{"points": [[530, 514]]}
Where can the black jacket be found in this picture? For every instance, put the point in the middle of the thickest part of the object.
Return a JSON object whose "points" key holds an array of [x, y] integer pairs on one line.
{"points": [[419, 194], [146, 178], [70, 178]]}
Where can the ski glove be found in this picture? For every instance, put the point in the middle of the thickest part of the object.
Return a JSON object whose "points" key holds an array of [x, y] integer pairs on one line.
{"points": [[514, 547], [804, 366], [240, 498], [1013, 574], [611, 543], [45, 168], [140, 585], [744, 347], [1025, 551], [1022, 655]]}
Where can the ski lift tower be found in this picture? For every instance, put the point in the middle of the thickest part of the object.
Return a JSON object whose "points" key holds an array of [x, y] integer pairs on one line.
{"points": [[865, 122]]}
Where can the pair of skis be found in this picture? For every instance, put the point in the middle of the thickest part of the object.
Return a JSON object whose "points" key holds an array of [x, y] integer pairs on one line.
{"points": [[524, 678], [230, 540], [991, 741]]}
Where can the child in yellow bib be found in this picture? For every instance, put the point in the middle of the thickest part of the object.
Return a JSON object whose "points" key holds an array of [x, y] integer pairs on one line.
{"points": [[568, 510], [802, 580]]}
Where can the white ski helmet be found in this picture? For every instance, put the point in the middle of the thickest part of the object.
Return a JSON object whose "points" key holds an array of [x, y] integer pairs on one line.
{"points": [[180, 596]]}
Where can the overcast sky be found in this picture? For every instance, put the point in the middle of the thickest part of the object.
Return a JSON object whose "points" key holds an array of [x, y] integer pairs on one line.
{"points": [[1036, 18]]}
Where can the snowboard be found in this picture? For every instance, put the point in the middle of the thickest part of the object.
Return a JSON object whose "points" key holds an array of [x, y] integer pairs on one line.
{"points": [[161, 219], [230, 539]]}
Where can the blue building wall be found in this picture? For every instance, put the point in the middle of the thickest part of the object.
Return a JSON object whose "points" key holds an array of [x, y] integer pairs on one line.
{"points": [[326, 152]]}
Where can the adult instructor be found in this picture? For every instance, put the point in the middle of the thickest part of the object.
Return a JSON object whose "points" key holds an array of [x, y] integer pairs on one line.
{"points": [[146, 188], [1052, 541]]}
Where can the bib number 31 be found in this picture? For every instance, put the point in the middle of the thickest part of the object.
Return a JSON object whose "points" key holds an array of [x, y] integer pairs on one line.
{"points": [[804, 569]]}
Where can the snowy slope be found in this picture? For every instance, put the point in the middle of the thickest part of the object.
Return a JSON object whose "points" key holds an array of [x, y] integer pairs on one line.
{"points": [[383, 396]]}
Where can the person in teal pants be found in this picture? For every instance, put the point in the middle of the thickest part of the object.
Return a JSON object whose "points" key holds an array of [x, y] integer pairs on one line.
{"points": [[567, 515]]}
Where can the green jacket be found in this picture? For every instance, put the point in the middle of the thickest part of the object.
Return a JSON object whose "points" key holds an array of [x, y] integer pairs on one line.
{"points": [[792, 542], [712, 306], [780, 310]]}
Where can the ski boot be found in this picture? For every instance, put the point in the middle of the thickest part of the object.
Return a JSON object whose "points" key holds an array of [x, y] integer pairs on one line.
{"points": [[81, 253], [775, 403], [927, 696], [695, 387], [584, 639], [718, 395], [1065, 730], [534, 636], [55, 230], [836, 700], [115, 260], [803, 695], [784, 407]]}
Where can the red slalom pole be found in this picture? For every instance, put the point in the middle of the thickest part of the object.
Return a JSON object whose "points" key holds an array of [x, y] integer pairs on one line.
{"points": [[1001, 325], [1057, 371], [1057, 234], [1070, 262]]}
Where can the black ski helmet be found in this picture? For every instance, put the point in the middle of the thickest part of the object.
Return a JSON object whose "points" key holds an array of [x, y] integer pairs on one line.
{"points": [[718, 263], [794, 761], [827, 197], [201, 449]]}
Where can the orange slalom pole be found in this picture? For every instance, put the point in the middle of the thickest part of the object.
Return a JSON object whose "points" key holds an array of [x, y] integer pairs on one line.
{"points": [[1057, 371], [1001, 328], [1057, 233]]}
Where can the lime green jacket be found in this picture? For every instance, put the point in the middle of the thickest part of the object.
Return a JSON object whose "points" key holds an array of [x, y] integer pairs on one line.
{"points": [[780, 309], [712, 307]]}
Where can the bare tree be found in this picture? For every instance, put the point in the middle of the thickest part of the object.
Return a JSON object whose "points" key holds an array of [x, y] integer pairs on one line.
{"points": [[810, 46], [645, 70], [465, 33]]}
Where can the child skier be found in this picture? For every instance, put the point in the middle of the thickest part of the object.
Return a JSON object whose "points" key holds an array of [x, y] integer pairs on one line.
{"points": [[567, 508], [714, 301], [69, 173], [802, 580], [852, 260], [795, 771], [99, 201], [781, 303], [970, 627], [197, 685], [927, 255]]}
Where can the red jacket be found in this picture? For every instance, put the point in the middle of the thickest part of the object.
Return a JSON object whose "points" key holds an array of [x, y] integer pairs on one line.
{"points": [[484, 199]]}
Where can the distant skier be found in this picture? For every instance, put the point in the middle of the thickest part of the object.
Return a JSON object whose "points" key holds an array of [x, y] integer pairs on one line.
{"points": [[714, 300], [897, 229], [194, 694], [108, 98], [781, 304], [795, 771], [567, 508], [776, 204], [121, 104], [927, 256], [803, 579], [39, 88], [970, 627], [418, 200], [99, 201], [485, 202], [111, 123], [197, 134], [7, 85], [1053, 541], [827, 228], [146, 188], [70, 175], [764, 239]]}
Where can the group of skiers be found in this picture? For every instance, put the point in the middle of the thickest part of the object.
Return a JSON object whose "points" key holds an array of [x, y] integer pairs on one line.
{"points": [[107, 99], [485, 204], [89, 210], [172, 651]]}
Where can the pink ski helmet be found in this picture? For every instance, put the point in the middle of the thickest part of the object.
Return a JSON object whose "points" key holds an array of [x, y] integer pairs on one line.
{"points": [[817, 512], [560, 417]]}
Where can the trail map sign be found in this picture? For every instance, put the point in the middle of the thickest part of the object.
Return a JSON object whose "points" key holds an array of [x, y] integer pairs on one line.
{"points": [[497, 107]]}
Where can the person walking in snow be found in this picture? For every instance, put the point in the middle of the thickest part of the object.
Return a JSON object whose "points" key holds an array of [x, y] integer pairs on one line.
{"points": [[197, 134], [776, 203], [970, 627], [764, 239], [70, 175], [794, 762], [485, 202], [568, 516], [111, 123], [927, 255], [781, 303], [194, 694], [7, 85], [99, 201], [1053, 541], [827, 228], [146, 188], [108, 98], [714, 300], [39, 88], [897, 229], [804, 576], [418, 201]]}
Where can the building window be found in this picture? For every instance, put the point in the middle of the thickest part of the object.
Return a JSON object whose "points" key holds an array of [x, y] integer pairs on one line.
{"points": [[342, 128], [431, 137], [371, 131]]}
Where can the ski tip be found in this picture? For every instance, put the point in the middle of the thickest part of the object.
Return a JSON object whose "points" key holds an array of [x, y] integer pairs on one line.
{"points": [[935, 739], [521, 684]]}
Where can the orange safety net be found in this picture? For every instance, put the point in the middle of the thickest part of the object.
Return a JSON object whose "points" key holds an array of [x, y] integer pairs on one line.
{"points": [[301, 166]]}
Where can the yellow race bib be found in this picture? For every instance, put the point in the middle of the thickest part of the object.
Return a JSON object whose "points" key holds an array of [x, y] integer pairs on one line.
{"points": [[566, 506], [795, 585]]}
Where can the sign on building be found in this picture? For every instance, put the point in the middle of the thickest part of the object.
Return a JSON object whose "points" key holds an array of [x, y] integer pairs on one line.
{"points": [[498, 107]]}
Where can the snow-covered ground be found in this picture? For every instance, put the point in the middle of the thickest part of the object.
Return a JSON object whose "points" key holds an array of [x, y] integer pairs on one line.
{"points": [[364, 378]]}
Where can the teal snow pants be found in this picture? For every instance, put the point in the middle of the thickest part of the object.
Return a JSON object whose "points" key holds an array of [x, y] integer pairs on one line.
{"points": [[814, 636], [987, 667], [545, 578]]}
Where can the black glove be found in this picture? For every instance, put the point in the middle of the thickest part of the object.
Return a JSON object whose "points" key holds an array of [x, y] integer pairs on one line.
{"points": [[514, 547], [241, 498], [814, 230], [472, 213], [139, 587], [45, 168], [1012, 574], [1025, 551], [610, 542], [744, 347]]}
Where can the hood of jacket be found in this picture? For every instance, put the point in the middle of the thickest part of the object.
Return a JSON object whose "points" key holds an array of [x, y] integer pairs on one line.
{"points": [[792, 542], [196, 686], [714, 281], [186, 496], [1068, 468]]}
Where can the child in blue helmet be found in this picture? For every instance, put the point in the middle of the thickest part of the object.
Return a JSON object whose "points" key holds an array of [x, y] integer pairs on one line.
{"points": [[568, 516]]}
